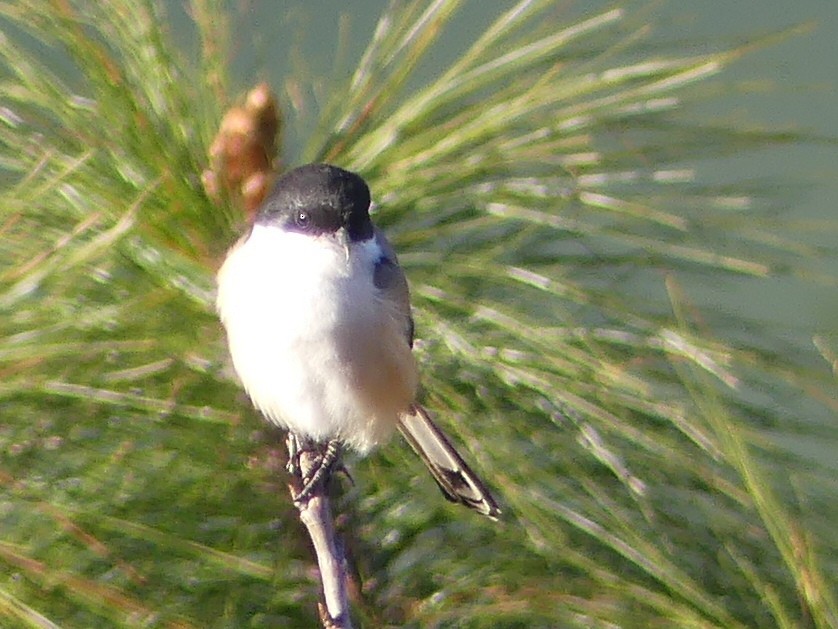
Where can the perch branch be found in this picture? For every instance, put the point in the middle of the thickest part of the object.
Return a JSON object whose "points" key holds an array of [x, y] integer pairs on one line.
{"points": [[316, 515]]}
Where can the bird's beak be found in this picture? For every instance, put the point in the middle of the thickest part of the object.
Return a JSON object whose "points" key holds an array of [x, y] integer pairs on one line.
{"points": [[343, 240]]}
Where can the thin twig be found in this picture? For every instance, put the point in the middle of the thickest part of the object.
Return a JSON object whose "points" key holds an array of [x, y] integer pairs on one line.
{"points": [[316, 515]]}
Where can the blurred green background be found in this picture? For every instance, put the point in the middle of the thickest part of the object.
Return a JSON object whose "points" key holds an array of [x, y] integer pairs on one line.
{"points": [[791, 86], [617, 222], [786, 87]]}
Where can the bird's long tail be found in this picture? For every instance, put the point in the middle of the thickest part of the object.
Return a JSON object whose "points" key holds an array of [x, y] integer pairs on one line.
{"points": [[454, 477]]}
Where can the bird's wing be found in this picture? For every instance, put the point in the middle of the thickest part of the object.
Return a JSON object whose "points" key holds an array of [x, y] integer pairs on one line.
{"points": [[454, 477], [389, 278]]}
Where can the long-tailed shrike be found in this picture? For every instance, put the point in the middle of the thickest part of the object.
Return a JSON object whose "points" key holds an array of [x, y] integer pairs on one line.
{"points": [[317, 314]]}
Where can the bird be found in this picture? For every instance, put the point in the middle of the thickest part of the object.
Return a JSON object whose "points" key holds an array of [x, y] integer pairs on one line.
{"points": [[318, 320]]}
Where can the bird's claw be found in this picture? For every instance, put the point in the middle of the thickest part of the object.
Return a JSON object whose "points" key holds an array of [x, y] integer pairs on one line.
{"points": [[327, 461]]}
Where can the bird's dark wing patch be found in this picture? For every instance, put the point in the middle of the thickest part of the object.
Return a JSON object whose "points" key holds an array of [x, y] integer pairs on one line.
{"points": [[388, 277], [386, 273]]}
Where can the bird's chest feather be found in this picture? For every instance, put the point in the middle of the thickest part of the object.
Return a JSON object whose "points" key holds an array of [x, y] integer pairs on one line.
{"points": [[312, 339], [286, 297]]}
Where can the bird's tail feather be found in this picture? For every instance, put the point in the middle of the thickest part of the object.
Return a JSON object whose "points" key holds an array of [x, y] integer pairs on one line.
{"points": [[454, 477]]}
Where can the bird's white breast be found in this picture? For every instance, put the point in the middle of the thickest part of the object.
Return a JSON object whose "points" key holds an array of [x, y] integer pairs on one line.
{"points": [[309, 339]]}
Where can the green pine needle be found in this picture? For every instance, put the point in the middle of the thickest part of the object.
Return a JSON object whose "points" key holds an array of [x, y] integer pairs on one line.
{"points": [[542, 195]]}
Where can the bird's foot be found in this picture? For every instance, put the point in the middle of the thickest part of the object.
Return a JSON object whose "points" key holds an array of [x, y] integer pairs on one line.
{"points": [[315, 470]]}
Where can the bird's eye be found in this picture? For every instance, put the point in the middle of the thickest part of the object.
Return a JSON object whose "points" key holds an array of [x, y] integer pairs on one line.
{"points": [[302, 219]]}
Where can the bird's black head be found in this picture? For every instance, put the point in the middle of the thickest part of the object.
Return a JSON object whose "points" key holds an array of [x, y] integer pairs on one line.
{"points": [[319, 199]]}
